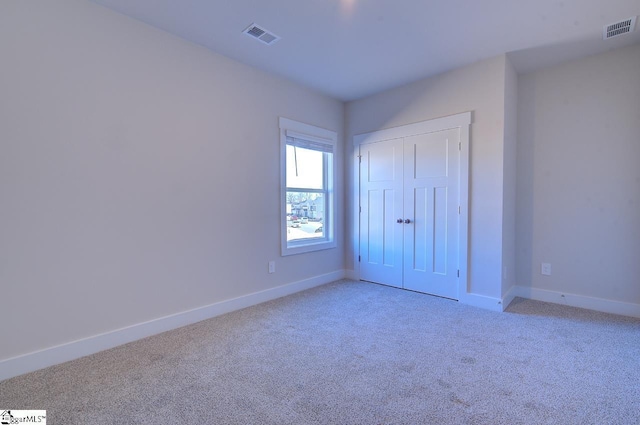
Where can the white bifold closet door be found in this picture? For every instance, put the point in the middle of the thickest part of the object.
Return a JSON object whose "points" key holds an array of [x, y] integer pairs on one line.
{"points": [[409, 218]]}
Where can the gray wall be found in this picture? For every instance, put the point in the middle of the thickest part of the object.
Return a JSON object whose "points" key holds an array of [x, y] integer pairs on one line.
{"points": [[139, 174], [578, 203], [509, 178]]}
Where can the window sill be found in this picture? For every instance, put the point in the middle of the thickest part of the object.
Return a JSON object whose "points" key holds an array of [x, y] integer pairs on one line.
{"points": [[300, 248]]}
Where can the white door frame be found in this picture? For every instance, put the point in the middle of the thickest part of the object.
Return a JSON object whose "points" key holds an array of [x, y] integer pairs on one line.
{"points": [[461, 121]]}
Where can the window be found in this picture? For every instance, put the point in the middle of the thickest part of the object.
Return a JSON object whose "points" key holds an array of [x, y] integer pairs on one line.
{"points": [[307, 199]]}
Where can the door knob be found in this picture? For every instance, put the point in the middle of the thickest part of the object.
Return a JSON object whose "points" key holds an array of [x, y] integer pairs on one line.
{"points": [[407, 221], [399, 220]]}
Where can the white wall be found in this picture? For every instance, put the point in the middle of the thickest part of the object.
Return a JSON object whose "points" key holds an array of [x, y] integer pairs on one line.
{"points": [[509, 178], [579, 179], [479, 88], [139, 175]]}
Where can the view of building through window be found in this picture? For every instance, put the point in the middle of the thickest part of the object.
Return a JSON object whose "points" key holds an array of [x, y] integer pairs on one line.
{"points": [[305, 215], [306, 193]]}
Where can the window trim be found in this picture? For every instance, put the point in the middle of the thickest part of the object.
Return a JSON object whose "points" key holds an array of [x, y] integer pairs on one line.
{"points": [[314, 135]]}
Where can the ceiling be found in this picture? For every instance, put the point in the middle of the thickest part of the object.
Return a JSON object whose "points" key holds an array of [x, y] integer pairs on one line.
{"points": [[350, 49]]}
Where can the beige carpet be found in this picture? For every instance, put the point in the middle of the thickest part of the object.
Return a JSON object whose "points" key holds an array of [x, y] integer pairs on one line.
{"points": [[356, 353]]}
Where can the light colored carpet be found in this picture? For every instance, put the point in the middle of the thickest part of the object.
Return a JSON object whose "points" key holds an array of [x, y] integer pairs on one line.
{"points": [[356, 353]]}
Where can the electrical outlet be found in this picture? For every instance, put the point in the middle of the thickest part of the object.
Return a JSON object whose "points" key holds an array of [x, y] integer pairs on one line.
{"points": [[546, 269], [272, 266]]}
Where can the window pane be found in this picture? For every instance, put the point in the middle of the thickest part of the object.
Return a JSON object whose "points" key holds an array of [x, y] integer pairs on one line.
{"points": [[305, 215], [304, 168]]}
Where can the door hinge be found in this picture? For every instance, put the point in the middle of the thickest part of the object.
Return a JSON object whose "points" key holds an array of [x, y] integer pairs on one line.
{"points": [[360, 208], [359, 159], [358, 258], [458, 209], [459, 146], [458, 273]]}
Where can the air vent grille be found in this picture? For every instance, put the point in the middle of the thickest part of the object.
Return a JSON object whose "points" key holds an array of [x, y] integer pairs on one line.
{"points": [[255, 31], [619, 28], [261, 34]]}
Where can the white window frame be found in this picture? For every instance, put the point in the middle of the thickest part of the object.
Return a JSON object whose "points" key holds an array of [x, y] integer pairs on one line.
{"points": [[313, 135]]}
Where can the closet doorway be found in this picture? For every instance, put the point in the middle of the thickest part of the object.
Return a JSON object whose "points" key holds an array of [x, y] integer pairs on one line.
{"points": [[413, 205]]}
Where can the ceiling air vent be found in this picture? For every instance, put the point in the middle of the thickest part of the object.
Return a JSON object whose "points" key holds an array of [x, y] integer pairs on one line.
{"points": [[619, 28], [261, 34]]}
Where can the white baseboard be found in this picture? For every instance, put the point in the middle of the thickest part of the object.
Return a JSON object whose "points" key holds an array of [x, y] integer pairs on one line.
{"points": [[482, 301], [83, 347], [511, 294], [581, 301]]}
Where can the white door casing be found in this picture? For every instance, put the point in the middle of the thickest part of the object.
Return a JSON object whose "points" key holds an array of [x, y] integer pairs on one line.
{"points": [[417, 173]]}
